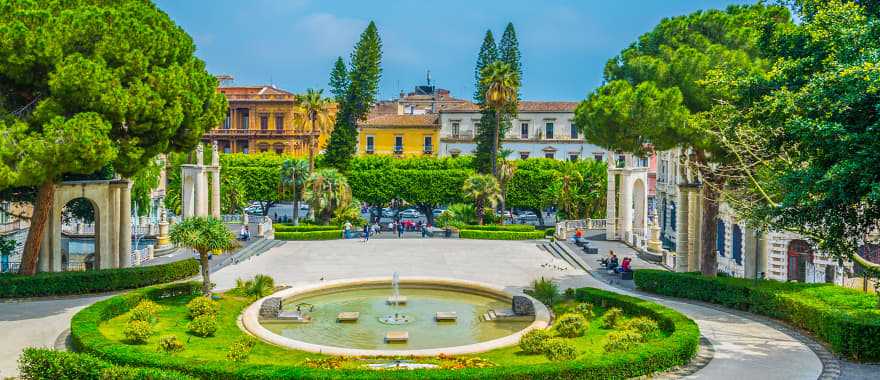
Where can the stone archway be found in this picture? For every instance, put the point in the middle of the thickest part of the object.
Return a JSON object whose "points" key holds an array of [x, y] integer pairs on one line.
{"points": [[194, 191], [111, 201]]}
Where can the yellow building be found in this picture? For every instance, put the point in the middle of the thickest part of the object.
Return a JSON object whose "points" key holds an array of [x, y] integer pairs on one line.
{"points": [[400, 135], [261, 119]]}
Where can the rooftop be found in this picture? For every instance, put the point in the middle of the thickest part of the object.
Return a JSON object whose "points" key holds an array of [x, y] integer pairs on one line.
{"points": [[524, 106], [427, 120]]}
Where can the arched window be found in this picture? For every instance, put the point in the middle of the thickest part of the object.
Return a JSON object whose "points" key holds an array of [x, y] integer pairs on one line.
{"points": [[737, 244], [719, 237]]}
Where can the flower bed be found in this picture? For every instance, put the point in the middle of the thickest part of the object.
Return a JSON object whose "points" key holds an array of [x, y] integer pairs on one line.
{"points": [[501, 235], [311, 235], [94, 281], [846, 319]]}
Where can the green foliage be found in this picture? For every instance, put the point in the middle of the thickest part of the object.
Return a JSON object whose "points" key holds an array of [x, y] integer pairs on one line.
{"points": [[500, 235], [488, 54], [254, 177], [200, 306], [499, 227], [94, 281], [170, 344], [241, 349], [7, 246], [844, 318], [45, 364], [142, 183], [460, 214], [532, 342], [645, 326], [530, 189], [585, 309], [310, 235], [137, 332], [204, 235], [350, 214], [611, 317], [258, 287], [204, 325], [146, 311], [571, 325], [550, 232], [545, 291], [484, 190], [559, 349], [327, 190], [465, 362], [339, 80], [280, 227], [622, 340]]}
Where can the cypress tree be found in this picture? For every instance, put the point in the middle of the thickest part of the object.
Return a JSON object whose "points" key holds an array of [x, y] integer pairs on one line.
{"points": [[488, 54], [339, 80], [360, 94]]}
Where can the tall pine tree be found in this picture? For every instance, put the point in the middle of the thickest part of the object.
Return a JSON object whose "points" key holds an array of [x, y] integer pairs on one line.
{"points": [[508, 51], [360, 94], [339, 80], [484, 133]]}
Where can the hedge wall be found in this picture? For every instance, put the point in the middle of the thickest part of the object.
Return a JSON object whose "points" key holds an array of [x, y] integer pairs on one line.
{"points": [[94, 281], [501, 235], [499, 227], [844, 318], [284, 227], [43, 364], [676, 349], [312, 235]]}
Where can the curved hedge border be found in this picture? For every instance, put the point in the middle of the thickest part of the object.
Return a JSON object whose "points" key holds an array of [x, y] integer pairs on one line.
{"points": [[501, 235], [499, 227], [312, 235], [94, 281], [302, 228], [674, 350], [44, 364], [852, 332]]}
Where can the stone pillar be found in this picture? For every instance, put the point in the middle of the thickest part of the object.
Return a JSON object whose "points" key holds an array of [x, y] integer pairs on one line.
{"points": [[215, 193], [201, 193], [654, 243], [110, 256], [124, 224], [694, 219], [681, 228], [611, 207], [626, 209]]}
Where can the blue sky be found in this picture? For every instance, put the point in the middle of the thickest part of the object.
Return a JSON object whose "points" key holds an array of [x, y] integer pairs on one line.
{"points": [[293, 43]]}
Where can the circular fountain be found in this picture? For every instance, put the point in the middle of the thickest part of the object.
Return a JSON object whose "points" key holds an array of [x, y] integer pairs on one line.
{"points": [[415, 316]]}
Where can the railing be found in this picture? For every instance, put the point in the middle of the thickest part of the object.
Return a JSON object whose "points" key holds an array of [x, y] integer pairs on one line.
{"points": [[10, 267], [254, 133], [247, 97], [429, 150], [78, 229], [139, 256], [466, 135], [231, 218], [568, 227], [13, 226], [398, 149]]}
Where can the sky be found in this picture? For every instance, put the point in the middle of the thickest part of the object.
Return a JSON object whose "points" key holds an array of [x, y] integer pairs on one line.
{"points": [[293, 44]]}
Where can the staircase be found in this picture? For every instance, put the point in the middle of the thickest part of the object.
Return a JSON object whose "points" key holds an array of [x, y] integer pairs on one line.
{"points": [[489, 316], [255, 248], [560, 251]]}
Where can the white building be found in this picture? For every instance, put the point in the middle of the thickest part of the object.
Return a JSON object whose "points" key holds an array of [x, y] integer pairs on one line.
{"points": [[541, 129]]}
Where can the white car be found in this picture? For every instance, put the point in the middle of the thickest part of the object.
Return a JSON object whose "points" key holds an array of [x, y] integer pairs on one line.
{"points": [[410, 214]]}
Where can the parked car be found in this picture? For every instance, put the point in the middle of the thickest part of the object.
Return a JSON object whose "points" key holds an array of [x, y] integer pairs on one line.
{"points": [[437, 211], [410, 214], [388, 212], [528, 219], [254, 210]]}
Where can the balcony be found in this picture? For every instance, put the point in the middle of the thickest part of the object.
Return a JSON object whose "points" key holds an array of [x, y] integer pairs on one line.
{"points": [[370, 149], [461, 135], [428, 150], [398, 149], [265, 133]]}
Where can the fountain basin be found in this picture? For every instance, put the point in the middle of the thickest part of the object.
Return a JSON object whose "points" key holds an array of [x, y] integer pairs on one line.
{"points": [[427, 336]]}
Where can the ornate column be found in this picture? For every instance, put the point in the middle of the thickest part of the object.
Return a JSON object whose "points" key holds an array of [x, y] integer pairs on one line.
{"points": [[611, 207], [626, 207], [215, 181], [654, 244], [694, 223], [681, 228], [124, 224]]}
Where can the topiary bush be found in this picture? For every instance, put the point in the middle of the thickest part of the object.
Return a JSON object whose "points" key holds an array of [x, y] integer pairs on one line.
{"points": [[311, 235], [571, 326], [611, 317], [137, 332], [622, 340], [204, 325], [170, 343], [499, 227], [532, 342], [585, 309], [241, 349], [501, 235], [146, 311], [645, 326], [286, 227], [200, 306], [558, 349]]}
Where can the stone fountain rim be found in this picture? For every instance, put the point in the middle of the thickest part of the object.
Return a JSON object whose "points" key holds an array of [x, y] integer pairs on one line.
{"points": [[250, 320]]}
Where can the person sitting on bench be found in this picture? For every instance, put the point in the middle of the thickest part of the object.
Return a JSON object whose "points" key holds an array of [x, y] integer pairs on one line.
{"points": [[625, 265], [607, 260], [579, 237]]}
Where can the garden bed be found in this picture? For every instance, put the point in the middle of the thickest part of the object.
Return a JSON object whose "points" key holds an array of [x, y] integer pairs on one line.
{"points": [[501, 235], [286, 227], [309, 235]]}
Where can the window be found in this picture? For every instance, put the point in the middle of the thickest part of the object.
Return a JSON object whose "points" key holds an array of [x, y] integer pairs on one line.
{"points": [[524, 130], [371, 144], [456, 129], [429, 145], [673, 217], [719, 237], [572, 157], [523, 155], [737, 245], [279, 122], [398, 144], [227, 123], [598, 156], [574, 132], [245, 119], [242, 146], [549, 154], [264, 122], [548, 130]]}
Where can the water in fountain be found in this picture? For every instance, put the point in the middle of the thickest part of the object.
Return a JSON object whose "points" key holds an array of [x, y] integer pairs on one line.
{"points": [[395, 288], [395, 300]]}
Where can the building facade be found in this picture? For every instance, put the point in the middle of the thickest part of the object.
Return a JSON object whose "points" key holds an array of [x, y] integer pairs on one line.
{"points": [[541, 129], [261, 119], [399, 135]]}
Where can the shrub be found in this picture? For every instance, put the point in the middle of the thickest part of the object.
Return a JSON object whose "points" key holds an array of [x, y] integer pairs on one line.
{"points": [[465, 362], [545, 291], [501, 235], [844, 318], [137, 332], [313, 235], [302, 228], [611, 317], [333, 362], [571, 325], [202, 306], [568, 293], [550, 232], [558, 349], [240, 349], [170, 343], [499, 227], [145, 311], [94, 281], [533, 341], [622, 340], [585, 309], [204, 325], [43, 364], [260, 286], [643, 325]]}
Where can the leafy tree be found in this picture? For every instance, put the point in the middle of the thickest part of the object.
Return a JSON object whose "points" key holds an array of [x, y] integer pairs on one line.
{"points": [[658, 92], [502, 85], [143, 184], [531, 190], [258, 175], [360, 94], [484, 190], [580, 189], [294, 173], [86, 84], [327, 190], [313, 112], [233, 197], [203, 235], [339, 80]]}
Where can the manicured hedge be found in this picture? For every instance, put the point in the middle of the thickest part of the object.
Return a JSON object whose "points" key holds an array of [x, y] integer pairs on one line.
{"points": [[499, 227], [501, 235], [94, 281], [673, 350], [43, 364], [313, 235], [550, 232], [284, 227], [844, 318]]}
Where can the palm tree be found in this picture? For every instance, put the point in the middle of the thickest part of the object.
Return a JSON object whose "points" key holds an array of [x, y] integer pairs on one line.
{"points": [[569, 197], [294, 173], [313, 112], [506, 170], [484, 190], [204, 235], [326, 190], [502, 88]]}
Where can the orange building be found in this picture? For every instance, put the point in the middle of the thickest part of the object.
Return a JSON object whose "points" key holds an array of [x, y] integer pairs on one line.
{"points": [[261, 119]]}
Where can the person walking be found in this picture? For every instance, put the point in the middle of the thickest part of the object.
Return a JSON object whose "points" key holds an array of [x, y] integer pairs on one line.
{"points": [[424, 230], [366, 233], [347, 229], [399, 230]]}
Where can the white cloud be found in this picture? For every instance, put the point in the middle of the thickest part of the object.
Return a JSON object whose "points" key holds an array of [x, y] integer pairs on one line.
{"points": [[328, 35]]}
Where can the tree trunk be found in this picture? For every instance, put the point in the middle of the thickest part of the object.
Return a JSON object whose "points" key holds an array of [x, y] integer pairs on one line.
{"points": [[479, 210], [709, 251], [428, 210], [540, 214], [206, 274], [295, 209], [312, 149], [42, 206], [494, 155]]}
